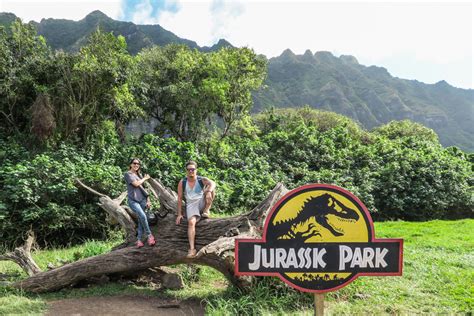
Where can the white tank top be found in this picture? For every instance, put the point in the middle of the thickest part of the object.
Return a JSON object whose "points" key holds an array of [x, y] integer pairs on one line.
{"points": [[194, 194]]}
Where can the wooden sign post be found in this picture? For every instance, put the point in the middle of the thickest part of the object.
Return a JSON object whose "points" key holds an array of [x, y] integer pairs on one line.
{"points": [[318, 238], [319, 304]]}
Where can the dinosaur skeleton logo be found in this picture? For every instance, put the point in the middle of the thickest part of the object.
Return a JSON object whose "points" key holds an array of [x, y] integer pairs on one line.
{"points": [[318, 238], [318, 209]]}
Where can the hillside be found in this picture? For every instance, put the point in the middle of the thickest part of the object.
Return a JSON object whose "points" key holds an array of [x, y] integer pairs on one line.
{"points": [[71, 35], [369, 95]]}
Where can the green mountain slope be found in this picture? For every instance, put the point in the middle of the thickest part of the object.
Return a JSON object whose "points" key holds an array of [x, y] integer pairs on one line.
{"points": [[71, 35], [6, 19], [369, 95]]}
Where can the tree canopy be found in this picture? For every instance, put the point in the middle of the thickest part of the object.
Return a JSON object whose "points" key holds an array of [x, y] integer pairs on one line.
{"points": [[185, 89]]}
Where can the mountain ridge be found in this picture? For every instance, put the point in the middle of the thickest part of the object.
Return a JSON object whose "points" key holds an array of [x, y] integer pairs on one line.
{"points": [[368, 94], [70, 35]]}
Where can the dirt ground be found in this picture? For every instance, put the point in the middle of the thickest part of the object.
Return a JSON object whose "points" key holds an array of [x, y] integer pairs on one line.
{"points": [[123, 305]]}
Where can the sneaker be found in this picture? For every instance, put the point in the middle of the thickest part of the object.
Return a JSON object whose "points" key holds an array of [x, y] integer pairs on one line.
{"points": [[206, 214], [151, 240], [140, 244], [191, 253]]}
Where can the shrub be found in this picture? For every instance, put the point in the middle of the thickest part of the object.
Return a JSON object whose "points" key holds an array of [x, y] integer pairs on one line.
{"points": [[41, 193]]}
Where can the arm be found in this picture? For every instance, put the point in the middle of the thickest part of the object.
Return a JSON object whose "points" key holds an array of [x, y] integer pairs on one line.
{"points": [[209, 185], [138, 183], [179, 213]]}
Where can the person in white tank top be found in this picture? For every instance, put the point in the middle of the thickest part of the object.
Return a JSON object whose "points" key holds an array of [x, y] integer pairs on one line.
{"points": [[199, 193]]}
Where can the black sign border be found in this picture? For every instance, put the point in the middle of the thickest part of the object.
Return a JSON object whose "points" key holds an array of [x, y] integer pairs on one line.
{"points": [[335, 189]]}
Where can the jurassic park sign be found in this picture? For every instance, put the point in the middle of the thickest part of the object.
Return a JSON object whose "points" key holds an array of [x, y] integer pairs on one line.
{"points": [[318, 238]]}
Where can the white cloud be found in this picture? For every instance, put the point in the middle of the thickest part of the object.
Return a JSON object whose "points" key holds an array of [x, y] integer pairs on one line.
{"points": [[204, 22], [142, 14], [29, 10], [223, 14], [193, 21]]}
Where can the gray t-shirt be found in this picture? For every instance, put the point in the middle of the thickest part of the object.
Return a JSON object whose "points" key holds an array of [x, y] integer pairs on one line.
{"points": [[136, 194]]}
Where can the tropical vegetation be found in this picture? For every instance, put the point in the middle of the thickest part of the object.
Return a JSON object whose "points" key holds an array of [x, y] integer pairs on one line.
{"points": [[64, 117]]}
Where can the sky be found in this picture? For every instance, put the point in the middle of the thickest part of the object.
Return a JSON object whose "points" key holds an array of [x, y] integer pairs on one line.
{"points": [[425, 40]]}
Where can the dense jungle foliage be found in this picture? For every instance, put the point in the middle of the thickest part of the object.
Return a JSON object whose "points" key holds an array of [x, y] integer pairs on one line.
{"points": [[63, 116]]}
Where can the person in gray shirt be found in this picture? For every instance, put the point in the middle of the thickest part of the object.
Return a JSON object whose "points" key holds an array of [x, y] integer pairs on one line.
{"points": [[138, 200]]}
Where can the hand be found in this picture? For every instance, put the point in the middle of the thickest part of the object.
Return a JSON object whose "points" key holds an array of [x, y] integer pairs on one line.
{"points": [[148, 204], [178, 219], [146, 177]]}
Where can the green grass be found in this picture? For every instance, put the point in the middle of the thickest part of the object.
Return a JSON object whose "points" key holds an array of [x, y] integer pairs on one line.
{"points": [[438, 278]]}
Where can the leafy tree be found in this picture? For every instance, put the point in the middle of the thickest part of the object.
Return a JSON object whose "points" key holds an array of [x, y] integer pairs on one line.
{"points": [[94, 85], [23, 56], [235, 73], [289, 118], [172, 79], [185, 89], [407, 128]]}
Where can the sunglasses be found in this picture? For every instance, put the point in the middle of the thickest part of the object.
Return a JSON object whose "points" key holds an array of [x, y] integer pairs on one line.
{"points": [[191, 169], [135, 163]]}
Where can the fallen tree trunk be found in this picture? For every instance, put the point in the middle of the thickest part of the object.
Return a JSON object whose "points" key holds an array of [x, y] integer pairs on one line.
{"points": [[215, 240]]}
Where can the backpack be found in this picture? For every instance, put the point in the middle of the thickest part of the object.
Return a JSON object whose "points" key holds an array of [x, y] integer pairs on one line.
{"points": [[185, 180]]}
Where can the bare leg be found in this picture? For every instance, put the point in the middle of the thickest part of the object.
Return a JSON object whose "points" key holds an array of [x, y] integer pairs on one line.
{"points": [[192, 231], [208, 198]]}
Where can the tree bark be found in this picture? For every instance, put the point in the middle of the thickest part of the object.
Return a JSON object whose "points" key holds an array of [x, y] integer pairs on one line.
{"points": [[22, 256], [116, 211], [215, 241]]}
